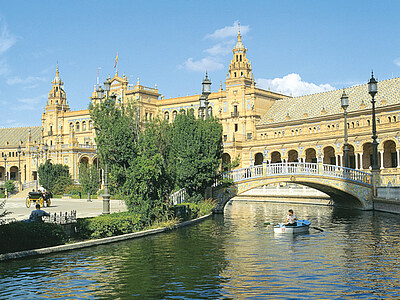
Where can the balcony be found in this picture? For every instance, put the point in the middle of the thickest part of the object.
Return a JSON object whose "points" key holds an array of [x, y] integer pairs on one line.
{"points": [[235, 114]]}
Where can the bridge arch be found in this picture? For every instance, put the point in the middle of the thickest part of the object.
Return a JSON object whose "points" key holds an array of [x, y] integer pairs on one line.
{"points": [[346, 187]]}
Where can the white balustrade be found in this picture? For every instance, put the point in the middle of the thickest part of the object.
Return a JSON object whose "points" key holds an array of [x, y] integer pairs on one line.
{"points": [[298, 168]]}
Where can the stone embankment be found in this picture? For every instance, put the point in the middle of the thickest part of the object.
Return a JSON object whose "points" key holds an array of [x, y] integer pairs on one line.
{"points": [[90, 243]]}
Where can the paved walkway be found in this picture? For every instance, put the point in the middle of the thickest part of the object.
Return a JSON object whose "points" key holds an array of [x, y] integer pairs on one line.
{"points": [[82, 206]]}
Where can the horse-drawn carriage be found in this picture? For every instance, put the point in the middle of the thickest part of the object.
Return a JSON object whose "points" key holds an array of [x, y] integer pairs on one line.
{"points": [[38, 198]]}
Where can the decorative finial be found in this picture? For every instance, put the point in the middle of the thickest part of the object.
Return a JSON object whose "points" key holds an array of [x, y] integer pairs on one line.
{"points": [[138, 81], [155, 86], [220, 85], [239, 36], [57, 74]]}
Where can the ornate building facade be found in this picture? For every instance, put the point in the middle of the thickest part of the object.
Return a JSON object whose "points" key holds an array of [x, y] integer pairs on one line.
{"points": [[258, 125]]}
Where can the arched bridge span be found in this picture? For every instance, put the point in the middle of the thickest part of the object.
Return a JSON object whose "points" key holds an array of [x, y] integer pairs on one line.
{"points": [[346, 187]]}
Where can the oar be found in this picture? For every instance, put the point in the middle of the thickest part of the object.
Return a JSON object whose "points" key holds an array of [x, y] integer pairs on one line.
{"points": [[320, 229], [268, 223]]}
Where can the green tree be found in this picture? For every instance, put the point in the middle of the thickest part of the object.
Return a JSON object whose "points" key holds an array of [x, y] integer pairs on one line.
{"points": [[89, 178], [54, 178], [148, 183], [195, 154], [117, 132]]}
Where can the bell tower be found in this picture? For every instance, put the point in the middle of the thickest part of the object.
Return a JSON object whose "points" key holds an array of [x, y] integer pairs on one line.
{"points": [[240, 66], [57, 97], [53, 115]]}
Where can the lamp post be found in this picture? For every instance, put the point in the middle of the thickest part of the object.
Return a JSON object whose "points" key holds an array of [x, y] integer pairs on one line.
{"points": [[204, 96], [5, 167], [106, 194], [345, 104], [372, 90], [19, 150], [36, 153]]}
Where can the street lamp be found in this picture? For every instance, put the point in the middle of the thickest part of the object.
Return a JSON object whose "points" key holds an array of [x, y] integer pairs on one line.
{"points": [[19, 150], [372, 90], [106, 195], [100, 92], [204, 95], [107, 86], [345, 104], [5, 167]]}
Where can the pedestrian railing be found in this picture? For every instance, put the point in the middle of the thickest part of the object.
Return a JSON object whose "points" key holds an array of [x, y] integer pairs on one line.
{"points": [[177, 197], [61, 218], [299, 168], [27, 185]]}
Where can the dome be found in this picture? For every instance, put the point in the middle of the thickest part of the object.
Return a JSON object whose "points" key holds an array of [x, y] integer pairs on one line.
{"points": [[239, 45]]}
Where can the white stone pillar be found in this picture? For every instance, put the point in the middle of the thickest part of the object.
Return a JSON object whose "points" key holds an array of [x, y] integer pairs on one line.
{"points": [[398, 158], [356, 155], [381, 154], [361, 161], [338, 160], [341, 160]]}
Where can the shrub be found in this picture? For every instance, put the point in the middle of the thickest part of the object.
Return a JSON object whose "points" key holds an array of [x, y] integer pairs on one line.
{"points": [[10, 186], [191, 210], [19, 236], [73, 189], [108, 225]]}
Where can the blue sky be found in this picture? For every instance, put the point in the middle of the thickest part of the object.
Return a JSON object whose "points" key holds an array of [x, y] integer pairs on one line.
{"points": [[296, 47]]}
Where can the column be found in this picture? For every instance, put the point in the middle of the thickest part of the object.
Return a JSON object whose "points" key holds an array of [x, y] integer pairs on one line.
{"points": [[361, 161], [341, 160], [398, 158], [381, 154], [356, 156], [338, 160]]}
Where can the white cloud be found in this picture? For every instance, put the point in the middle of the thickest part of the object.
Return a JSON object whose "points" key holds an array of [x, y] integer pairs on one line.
{"points": [[33, 103], [208, 63], [292, 84], [217, 52], [30, 80], [228, 31], [222, 48], [397, 61], [7, 40]]}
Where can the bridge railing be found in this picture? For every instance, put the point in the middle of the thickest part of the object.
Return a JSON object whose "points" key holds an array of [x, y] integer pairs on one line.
{"points": [[347, 173], [299, 168]]}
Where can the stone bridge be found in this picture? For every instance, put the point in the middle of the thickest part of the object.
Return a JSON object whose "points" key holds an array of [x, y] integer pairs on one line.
{"points": [[347, 187]]}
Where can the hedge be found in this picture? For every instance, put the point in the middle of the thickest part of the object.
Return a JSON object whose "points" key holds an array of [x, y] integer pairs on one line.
{"points": [[19, 236], [108, 225]]}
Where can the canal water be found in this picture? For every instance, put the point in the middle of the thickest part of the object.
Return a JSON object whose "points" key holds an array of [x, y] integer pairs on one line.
{"points": [[234, 256]]}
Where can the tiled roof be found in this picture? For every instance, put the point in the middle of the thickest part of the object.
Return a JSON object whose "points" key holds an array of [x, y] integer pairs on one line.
{"points": [[328, 103], [14, 135]]}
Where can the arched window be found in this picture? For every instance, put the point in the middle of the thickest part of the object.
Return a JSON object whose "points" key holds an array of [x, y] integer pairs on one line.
{"points": [[166, 116], [77, 126], [71, 127], [368, 122], [210, 111], [83, 126], [174, 113], [390, 119], [394, 118], [90, 125]]}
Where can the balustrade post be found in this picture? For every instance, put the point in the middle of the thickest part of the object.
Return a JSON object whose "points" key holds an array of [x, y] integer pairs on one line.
{"points": [[320, 166], [264, 168]]}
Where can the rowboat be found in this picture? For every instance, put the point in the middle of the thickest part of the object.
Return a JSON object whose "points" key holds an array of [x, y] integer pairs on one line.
{"points": [[302, 226]]}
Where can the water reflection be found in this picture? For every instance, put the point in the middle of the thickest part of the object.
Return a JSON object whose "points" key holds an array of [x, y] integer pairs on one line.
{"points": [[230, 256]]}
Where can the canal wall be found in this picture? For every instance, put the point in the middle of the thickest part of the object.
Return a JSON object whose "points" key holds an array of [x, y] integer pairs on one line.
{"points": [[388, 199], [91, 243], [288, 199]]}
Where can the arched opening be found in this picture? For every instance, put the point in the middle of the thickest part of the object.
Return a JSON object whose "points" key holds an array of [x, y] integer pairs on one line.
{"points": [[258, 159], [71, 127], [2, 173], [166, 116], [226, 162], [352, 157], [367, 156], [83, 126], [210, 111], [90, 125], [276, 157], [389, 154], [329, 156], [14, 173], [293, 156], [77, 127], [84, 160], [174, 114], [311, 155]]}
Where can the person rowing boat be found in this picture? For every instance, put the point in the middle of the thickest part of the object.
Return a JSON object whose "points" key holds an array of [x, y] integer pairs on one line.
{"points": [[291, 219]]}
